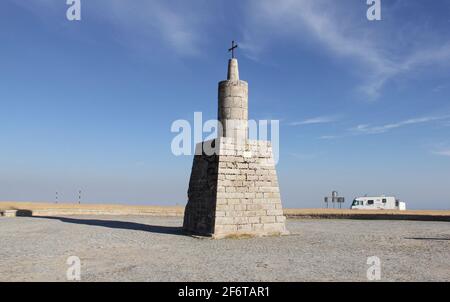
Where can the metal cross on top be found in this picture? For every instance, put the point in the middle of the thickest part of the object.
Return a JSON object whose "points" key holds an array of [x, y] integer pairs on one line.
{"points": [[233, 46]]}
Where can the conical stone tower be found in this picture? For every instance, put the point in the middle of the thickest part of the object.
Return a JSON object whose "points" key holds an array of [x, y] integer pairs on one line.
{"points": [[233, 189]]}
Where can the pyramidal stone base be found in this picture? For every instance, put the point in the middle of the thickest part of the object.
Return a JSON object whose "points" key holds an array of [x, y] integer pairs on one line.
{"points": [[234, 192]]}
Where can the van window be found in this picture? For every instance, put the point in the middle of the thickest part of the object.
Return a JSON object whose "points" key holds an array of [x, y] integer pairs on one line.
{"points": [[384, 200], [369, 202], [355, 203]]}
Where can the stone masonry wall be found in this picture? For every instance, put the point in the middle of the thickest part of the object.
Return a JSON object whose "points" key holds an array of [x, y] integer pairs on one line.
{"points": [[248, 196], [199, 214], [235, 192]]}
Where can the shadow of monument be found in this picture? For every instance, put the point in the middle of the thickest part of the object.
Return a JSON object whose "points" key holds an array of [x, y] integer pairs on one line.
{"points": [[124, 225]]}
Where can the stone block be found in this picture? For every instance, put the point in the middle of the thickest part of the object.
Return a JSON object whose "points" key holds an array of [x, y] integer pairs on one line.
{"points": [[9, 213], [274, 212], [268, 219], [275, 227]]}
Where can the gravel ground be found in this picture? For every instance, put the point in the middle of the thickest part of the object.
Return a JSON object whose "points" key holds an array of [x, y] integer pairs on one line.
{"points": [[145, 248]]}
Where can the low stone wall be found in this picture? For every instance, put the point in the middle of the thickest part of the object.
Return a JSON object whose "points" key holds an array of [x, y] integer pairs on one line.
{"points": [[47, 209], [416, 215], [12, 209], [8, 213]]}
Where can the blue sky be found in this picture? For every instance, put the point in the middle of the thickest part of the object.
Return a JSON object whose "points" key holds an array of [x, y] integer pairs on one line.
{"points": [[364, 107]]}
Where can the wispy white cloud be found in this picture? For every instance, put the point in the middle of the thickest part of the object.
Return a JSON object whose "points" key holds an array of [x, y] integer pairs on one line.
{"points": [[329, 137], [303, 156], [332, 25], [438, 88], [178, 26], [423, 58], [367, 129], [315, 120], [442, 152]]}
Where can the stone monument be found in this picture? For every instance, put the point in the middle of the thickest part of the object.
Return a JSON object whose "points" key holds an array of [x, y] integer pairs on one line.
{"points": [[233, 188]]}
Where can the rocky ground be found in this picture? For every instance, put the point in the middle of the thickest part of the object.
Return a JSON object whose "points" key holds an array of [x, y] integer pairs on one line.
{"points": [[146, 248]]}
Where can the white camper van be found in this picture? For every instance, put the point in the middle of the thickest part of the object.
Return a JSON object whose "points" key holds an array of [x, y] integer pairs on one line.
{"points": [[378, 203]]}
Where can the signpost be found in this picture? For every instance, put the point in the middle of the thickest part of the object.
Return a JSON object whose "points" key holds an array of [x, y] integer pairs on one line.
{"points": [[334, 198]]}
